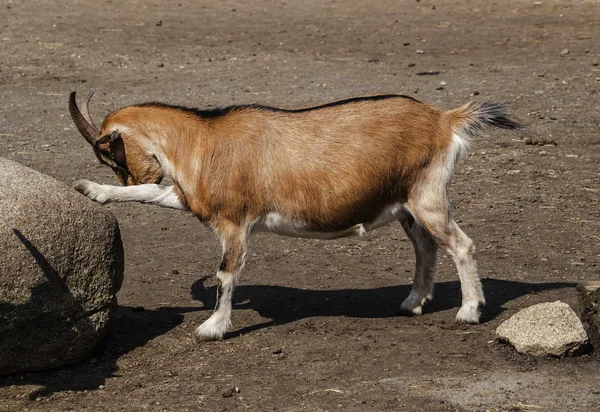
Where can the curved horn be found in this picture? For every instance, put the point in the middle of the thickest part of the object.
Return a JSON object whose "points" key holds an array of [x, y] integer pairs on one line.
{"points": [[83, 120], [85, 111]]}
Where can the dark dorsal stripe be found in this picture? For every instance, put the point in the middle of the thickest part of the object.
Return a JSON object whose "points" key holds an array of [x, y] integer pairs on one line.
{"points": [[218, 112]]}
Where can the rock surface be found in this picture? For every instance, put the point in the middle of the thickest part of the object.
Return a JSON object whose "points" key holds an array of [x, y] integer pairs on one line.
{"points": [[60, 269], [589, 304], [545, 329]]}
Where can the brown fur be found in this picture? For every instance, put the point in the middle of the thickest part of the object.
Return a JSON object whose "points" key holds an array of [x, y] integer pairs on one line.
{"points": [[330, 168]]}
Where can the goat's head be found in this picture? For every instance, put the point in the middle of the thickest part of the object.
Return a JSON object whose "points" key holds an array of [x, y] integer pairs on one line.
{"points": [[125, 156]]}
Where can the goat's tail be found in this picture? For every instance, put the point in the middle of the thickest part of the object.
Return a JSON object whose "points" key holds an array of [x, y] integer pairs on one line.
{"points": [[472, 118]]}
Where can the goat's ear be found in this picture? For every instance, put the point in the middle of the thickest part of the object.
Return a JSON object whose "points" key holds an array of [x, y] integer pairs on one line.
{"points": [[112, 137], [117, 147]]}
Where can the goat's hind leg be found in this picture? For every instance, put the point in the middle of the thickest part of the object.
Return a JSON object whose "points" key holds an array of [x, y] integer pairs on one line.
{"points": [[234, 240], [426, 254], [446, 232]]}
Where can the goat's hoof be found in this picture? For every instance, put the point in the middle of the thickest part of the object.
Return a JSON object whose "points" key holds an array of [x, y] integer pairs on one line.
{"points": [[413, 305], [207, 337], [210, 330], [93, 191], [469, 313], [84, 186]]}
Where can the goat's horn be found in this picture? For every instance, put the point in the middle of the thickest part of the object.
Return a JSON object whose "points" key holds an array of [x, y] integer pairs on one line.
{"points": [[83, 120]]}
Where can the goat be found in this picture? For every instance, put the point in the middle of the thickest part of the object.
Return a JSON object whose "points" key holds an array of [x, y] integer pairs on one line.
{"points": [[340, 169]]}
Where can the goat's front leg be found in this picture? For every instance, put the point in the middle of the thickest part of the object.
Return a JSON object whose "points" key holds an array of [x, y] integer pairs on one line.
{"points": [[234, 240], [146, 193]]}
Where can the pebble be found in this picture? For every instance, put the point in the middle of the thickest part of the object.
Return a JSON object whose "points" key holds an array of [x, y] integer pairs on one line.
{"points": [[565, 51], [594, 63], [420, 52]]}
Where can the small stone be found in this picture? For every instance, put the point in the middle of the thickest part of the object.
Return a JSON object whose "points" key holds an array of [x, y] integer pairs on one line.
{"points": [[420, 52], [565, 51], [594, 63], [160, 65], [159, 23], [277, 351], [175, 272], [411, 64], [545, 329], [475, 93]]}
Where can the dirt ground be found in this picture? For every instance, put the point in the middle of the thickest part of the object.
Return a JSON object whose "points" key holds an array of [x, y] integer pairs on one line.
{"points": [[315, 322]]}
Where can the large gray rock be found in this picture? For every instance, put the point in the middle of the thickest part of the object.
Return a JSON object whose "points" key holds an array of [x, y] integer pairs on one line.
{"points": [[61, 265], [545, 329]]}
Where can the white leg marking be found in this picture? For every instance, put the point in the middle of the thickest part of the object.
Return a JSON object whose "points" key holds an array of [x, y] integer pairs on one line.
{"points": [[463, 253], [469, 312], [147, 193], [215, 327]]}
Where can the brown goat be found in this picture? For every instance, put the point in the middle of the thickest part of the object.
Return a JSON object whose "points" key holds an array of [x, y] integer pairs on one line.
{"points": [[335, 170]]}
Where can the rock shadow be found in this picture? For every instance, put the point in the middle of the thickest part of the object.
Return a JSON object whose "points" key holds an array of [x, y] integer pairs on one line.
{"points": [[131, 327]]}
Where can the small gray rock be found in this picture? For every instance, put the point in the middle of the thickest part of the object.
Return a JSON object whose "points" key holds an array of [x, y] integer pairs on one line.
{"points": [[545, 329], [60, 269]]}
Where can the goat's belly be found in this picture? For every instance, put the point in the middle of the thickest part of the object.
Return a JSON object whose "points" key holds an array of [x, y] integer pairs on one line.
{"points": [[275, 223]]}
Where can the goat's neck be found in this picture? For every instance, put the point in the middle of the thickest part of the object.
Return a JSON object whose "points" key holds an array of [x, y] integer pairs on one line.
{"points": [[172, 143]]}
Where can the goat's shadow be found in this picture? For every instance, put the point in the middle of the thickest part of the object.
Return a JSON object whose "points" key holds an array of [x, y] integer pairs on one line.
{"points": [[134, 326], [284, 304]]}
